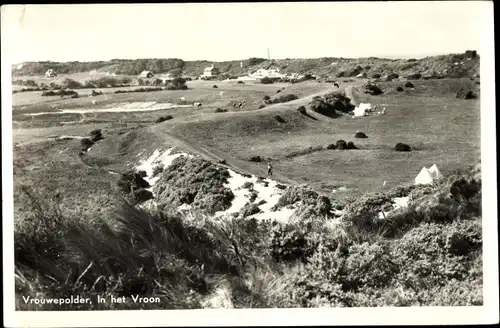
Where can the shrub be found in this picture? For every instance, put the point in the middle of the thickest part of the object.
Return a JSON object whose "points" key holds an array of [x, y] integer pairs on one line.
{"points": [[302, 110], [164, 118], [350, 145], [256, 159], [266, 97], [221, 110], [249, 209], [240, 82], [331, 146], [462, 94], [157, 82], [402, 147], [142, 195], [284, 98], [372, 88], [376, 76], [414, 76], [130, 181], [157, 170], [140, 81], [247, 185], [341, 145], [86, 143], [399, 89], [96, 135], [409, 85], [279, 119], [196, 182], [215, 86], [360, 134]]}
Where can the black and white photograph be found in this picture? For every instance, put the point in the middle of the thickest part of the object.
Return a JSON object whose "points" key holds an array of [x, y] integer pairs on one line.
{"points": [[282, 163]]}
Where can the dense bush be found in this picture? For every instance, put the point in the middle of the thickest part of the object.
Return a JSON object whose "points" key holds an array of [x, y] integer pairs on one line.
{"points": [[402, 147], [266, 97], [376, 76], [59, 93], [331, 103], [256, 159], [140, 90], [284, 98], [196, 182], [302, 110], [415, 76], [261, 106], [221, 110], [463, 94], [400, 89], [360, 134], [409, 85], [164, 118], [86, 143], [96, 135], [372, 89]]}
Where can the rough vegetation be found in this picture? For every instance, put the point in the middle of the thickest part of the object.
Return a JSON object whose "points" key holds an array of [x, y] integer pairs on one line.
{"points": [[424, 255], [195, 182]]}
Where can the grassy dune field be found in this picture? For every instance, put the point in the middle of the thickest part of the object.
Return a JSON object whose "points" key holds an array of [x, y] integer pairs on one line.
{"points": [[79, 230]]}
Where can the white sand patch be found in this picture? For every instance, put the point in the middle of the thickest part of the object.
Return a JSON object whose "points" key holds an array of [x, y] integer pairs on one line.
{"points": [[401, 202], [124, 107], [66, 137], [284, 214], [342, 188], [269, 194], [164, 158], [184, 207]]}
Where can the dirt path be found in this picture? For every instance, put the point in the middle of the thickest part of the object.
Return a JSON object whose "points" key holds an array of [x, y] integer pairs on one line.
{"points": [[232, 163]]}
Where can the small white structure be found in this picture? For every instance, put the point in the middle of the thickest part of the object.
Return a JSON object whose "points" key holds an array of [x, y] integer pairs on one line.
{"points": [[146, 74], [362, 109], [50, 73], [221, 93], [427, 176], [210, 72], [183, 99], [94, 102]]}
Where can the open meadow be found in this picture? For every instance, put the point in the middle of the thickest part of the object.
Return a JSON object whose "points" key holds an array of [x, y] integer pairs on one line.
{"points": [[146, 193]]}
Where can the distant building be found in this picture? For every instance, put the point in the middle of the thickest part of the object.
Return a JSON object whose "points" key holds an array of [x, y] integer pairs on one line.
{"points": [[146, 74], [50, 73], [272, 73], [210, 72], [166, 77]]}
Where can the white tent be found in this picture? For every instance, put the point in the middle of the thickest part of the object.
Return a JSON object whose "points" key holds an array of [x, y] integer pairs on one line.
{"points": [[428, 175], [424, 177], [434, 171], [361, 109]]}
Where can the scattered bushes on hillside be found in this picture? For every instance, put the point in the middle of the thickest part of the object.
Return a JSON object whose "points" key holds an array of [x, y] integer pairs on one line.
{"points": [[196, 182], [360, 134], [164, 118], [463, 94], [59, 93], [409, 85], [402, 147], [151, 89]]}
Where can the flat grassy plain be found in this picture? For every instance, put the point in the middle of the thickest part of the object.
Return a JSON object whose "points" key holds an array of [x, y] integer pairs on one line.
{"points": [[74, 234]]}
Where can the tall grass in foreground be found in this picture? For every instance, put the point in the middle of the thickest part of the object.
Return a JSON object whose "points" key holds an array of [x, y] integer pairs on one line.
{"points": [[426, 254]]}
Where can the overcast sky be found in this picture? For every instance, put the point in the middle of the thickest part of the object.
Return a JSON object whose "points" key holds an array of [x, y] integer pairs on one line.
{"points": [[232, 31]]}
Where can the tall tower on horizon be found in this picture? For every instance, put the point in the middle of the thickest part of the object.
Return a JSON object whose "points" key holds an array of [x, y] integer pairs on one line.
{"points": [[268, 54]]}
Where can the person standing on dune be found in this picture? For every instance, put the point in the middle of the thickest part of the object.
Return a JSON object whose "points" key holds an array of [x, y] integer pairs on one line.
{"points": [[269, 170]]}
